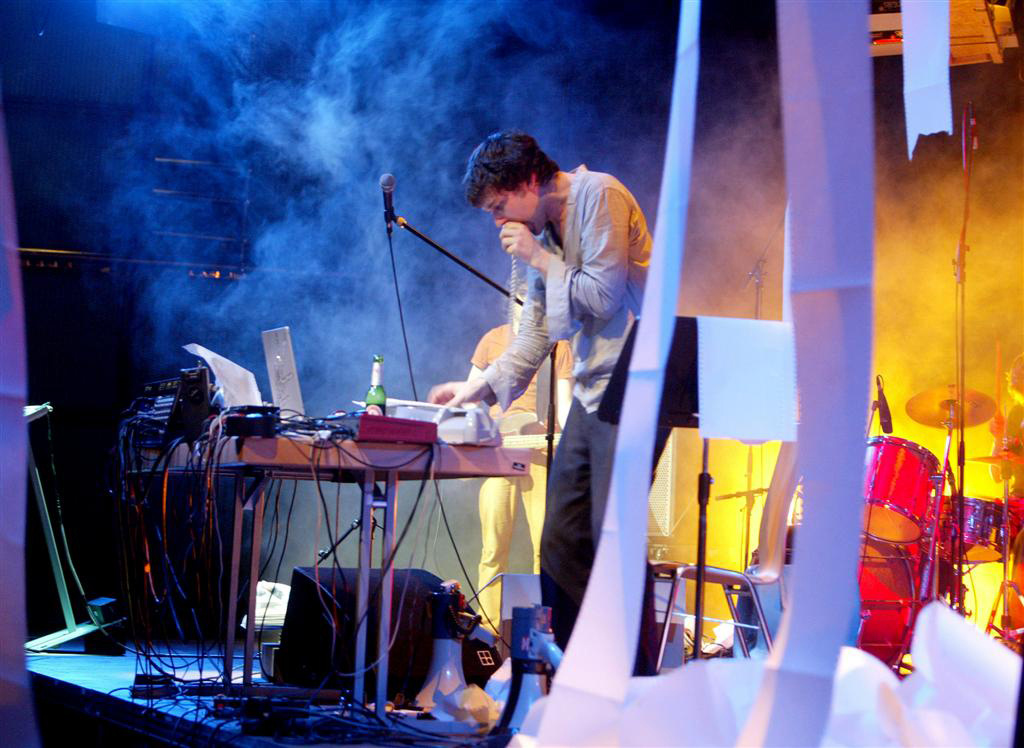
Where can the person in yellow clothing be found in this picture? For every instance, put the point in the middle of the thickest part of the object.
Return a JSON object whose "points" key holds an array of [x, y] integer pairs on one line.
{"points": [[500, 498]]}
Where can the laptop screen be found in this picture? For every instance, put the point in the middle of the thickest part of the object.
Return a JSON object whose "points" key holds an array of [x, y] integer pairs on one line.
{"points": [[284, 377]]}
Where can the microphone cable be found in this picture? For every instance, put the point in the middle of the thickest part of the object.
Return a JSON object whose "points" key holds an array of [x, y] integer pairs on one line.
{"points": [[401, 317]]}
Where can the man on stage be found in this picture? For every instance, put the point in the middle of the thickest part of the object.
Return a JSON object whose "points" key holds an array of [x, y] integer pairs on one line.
{"points": [[500, 497], [1011, 426], [586, 243]]}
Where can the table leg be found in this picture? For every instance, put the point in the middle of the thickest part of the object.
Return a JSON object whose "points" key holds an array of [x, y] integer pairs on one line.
{"points": [[255, 505], [251, 501], [386, 590], [363, 585], [236, 553]]}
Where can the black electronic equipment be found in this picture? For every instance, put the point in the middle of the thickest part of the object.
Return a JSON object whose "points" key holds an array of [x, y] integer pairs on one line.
{"points": [[317, 641], [191, 405], [252, 420], [176, 407]]}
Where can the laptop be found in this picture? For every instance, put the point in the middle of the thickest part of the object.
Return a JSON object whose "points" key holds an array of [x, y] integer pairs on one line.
{"points": [[284, 377]]}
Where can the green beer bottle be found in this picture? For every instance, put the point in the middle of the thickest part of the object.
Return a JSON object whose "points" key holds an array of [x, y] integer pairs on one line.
{"points": [[376, 395]]}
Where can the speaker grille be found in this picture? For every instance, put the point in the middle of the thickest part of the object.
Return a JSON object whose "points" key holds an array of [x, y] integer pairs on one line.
{"points": [[659, 512]]}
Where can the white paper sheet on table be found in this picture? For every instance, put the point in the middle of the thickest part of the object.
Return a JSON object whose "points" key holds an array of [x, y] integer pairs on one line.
{"points": [[238, 383], [926, 98], [746, 379]]}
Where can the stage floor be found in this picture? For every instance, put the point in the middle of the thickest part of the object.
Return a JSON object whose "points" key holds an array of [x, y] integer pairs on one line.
{"points": [[89, 696]]}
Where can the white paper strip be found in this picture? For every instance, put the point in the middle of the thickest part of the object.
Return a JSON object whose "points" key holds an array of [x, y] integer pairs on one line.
{"points": [[787, 273], [926, 98], [975, 683], [237, 382], [829, 154], [16, 714], [963, 690], [746, 379], [584, 707]]}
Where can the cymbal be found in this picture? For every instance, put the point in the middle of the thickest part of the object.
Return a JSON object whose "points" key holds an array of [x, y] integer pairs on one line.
{"points": [[999, 458], [932, 407]]}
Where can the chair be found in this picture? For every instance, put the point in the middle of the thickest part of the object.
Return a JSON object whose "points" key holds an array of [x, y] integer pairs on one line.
{"points": [[771, 552]]}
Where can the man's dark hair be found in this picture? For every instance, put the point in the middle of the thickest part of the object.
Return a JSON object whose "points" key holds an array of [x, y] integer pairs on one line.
{"points": [[505, 161]]}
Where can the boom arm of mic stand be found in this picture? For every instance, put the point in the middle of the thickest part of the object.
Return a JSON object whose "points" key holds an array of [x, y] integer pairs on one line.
{"points": [[871, 418], [498, 287], [454, 258]]}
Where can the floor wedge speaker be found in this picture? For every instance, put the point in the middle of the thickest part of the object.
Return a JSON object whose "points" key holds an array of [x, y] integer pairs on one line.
{"points": [[318, 638]]}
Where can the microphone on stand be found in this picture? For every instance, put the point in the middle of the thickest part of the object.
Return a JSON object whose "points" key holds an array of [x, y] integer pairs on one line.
{"points": [[884, 414], [387, 186]]}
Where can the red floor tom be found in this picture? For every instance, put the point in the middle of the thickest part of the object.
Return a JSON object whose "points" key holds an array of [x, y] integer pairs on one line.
{"points": [[889, 581], [898, 489]]}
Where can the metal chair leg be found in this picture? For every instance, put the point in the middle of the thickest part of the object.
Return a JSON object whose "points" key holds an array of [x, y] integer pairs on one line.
{"points": [[737, 631], [672, 594], [762, 622]]}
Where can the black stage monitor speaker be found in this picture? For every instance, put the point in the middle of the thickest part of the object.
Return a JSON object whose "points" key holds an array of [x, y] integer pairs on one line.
{"points": [[318, 639]]}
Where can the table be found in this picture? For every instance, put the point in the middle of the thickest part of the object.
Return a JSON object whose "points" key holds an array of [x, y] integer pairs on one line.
{"points": [[301, 458]]}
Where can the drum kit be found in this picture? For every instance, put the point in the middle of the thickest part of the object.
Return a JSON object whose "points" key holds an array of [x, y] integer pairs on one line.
{"points": [[918, 541]]}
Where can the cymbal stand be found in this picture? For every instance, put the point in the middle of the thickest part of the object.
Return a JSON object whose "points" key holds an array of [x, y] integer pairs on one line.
{"points": [[1005, 586], [939, 482], [755, 274], [969, 143]]}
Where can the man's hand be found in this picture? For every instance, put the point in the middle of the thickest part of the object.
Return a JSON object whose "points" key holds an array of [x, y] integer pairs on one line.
{"points": [[517, 240], [458, 393], [997, 426]]}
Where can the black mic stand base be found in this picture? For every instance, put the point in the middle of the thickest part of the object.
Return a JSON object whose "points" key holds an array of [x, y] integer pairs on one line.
{"points": [[704, 482]]}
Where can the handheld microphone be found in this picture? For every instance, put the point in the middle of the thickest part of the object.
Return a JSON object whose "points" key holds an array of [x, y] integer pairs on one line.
{"points": [[387, 186], [884, 414]]}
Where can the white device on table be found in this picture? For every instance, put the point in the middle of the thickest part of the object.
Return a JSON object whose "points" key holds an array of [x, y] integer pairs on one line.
{"points": [[471, 424]]}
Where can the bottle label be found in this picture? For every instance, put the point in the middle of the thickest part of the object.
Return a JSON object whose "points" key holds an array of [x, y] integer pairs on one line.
{"points": [[375, 374]]}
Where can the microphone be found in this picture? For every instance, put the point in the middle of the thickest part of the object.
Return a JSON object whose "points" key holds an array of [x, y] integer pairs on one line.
{"points": [[387, 185], [884, 414]]}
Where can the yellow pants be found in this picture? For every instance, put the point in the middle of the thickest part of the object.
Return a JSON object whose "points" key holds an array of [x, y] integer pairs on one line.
{"points": [[499, 506]]}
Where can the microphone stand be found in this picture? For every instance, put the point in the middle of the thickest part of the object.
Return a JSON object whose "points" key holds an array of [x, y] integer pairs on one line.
{"points": [[550, 432], [454, 258], [968, 145], [756, 274], [871, 420]]}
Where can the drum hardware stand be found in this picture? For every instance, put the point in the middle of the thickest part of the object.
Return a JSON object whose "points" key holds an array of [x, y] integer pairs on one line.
{"points": [[704, 482], [871, 506], [1005, 470], [871, 419], [750, 497], [938, 482], [969, 143], [940, 491], [756, 274], [1006, 585]]}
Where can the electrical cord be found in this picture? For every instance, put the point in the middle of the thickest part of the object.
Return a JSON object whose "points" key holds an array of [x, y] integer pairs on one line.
{"points": [[387, 565], [140, 510], [401, 316], [462, 566]]}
